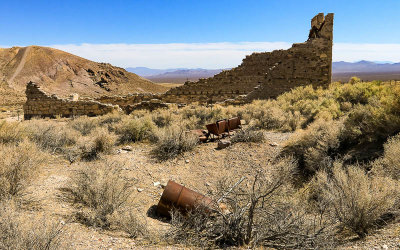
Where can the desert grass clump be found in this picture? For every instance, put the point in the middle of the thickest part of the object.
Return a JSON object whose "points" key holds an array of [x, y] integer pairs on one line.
{"points": [[389, 163], [249, 134], [18, 167], [51, 137], [163, 118], [100, 190], [110, 118], [355, 200], [172, 142], [11, 132], [21, 232], [315, 146], [129, 222], [100, 141], [134, 129], [84, 125]]}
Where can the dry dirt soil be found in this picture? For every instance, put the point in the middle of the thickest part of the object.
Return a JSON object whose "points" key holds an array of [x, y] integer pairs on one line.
{"points": [[199, 170]]}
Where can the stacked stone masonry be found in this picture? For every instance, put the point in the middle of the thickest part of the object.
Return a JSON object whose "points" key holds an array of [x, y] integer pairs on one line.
{"points": [[40, 104], [127, 102], [268, 74]]}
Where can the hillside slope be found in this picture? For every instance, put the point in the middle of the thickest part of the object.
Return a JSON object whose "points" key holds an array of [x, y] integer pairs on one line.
{"points": [[62, 73]]}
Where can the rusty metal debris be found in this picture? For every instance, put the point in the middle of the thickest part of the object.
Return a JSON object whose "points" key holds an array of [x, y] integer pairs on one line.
{"points": [[219, 129], [181, 198]]}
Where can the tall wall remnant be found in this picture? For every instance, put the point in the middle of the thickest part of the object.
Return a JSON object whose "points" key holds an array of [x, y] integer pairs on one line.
{"points": [[268, 74], [40, 104]]}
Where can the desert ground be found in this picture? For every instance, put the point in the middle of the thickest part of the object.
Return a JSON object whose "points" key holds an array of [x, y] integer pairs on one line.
{"points": [[319, 170]]}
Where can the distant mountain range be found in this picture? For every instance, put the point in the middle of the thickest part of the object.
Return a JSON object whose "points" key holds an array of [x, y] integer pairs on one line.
{"points": [[364, 66], [178, 75], [341, 71]]}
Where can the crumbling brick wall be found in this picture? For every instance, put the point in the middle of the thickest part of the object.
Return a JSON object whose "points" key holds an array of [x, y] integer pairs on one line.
{"points": [[40, 104], [268, 74]]}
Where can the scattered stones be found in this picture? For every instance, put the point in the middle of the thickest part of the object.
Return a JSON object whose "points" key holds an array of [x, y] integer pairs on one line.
{"points": [[223, 144], [157, 184], [187, 161], [140, 190], [127, 148]]}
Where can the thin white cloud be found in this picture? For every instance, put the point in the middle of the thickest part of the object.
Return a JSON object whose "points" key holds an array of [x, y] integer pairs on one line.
{"points": [[351, 52], [173, 55], [213, 55]]}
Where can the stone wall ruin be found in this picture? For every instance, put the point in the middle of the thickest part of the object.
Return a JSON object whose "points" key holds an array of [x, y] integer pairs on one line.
{"points": [[260, 76], [268, 74], [40, 104]]}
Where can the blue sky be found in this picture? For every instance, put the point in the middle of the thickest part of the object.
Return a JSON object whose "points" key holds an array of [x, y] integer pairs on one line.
{"points": [[86, 28]]}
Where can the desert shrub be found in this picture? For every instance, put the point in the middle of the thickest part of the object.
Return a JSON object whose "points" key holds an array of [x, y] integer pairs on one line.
{"points": [[51, 137], [389, 163], [203, 115], [130, 223], [101, 190], [371, 123], [248, 135], [18, 167], [315, 146], [17, 233], [11, 132], [261, 214], [356, 200], [83, 124], [133, 130], [101, 142], [172, 142], [110, 118], [163, 118], [266, 115]]}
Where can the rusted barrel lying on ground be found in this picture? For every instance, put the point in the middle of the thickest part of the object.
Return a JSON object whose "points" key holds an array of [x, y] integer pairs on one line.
{"points": [[182, 198]]}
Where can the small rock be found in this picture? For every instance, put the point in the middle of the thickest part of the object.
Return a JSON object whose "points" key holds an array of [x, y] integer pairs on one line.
{"points": [[385, 247], [157, 184], [274, 144], [187, 161], [207, 184], [163, 184], [127, 148], [140, 190], [223, 144]]}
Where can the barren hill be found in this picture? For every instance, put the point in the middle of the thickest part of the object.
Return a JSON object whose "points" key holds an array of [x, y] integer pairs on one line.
{"points": [[62, 73]]}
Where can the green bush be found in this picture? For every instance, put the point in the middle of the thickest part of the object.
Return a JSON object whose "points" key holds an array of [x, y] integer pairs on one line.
{"points": [[248, 135], [354, 199], [133, 130], [315, 146], [172, 142]]}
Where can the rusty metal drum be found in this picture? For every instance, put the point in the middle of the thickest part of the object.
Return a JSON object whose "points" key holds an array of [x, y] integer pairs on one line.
{"points": [[182, 198]]}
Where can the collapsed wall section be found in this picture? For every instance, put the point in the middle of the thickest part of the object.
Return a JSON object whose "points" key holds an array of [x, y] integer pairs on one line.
{"points": [[40, 104], [268, 74], [126, 102]]}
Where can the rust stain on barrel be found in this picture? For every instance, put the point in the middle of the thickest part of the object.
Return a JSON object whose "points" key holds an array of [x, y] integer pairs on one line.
{"points": [[182, 198]]}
